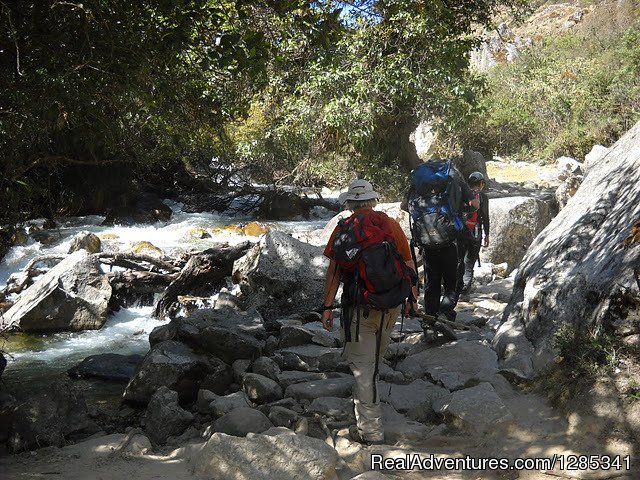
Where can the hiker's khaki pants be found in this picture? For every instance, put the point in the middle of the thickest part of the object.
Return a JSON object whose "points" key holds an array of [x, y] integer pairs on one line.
{"points": [[361, 356]]}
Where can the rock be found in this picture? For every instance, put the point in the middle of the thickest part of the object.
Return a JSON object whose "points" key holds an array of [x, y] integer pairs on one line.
{"points": [[266, 367], [330, 387], [311, 358], [86, 241], [7, 407], [567, 189], [49, 418], [265, 457], [453, 364], [260, 389], [515, 222], [470, 162], [424, 138], [321, 337], [219, 378], [291, 377], [73, 295], [164, 417], [203, 402], [226, 334], [416, 398], [398, 428], [282, 206], [632, 342], [223, 405], [334, 407], [163, 333], [477, 408], [289, 271], [240, 367], [170, 364], [243, 420], [283, 417], [591, 159], [107, 366], [290, 336], [579, 271], [568, 166]]}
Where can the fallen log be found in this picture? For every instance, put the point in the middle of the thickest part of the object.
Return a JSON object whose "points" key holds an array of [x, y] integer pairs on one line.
{"points": [[202, 275], [135, 287], [133, 260]]}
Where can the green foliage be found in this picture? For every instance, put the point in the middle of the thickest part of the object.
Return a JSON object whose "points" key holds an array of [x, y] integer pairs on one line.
{"points": [[357, 99], [585, 353], [561, 97], [151, 84]]}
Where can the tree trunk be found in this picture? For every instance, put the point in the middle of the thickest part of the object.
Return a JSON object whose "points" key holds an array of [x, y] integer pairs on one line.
{"points": [[202, 275]]}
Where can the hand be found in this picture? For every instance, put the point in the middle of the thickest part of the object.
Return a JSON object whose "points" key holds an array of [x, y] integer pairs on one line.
{"points": [[413, 309], [485, 241], [327, 320]]}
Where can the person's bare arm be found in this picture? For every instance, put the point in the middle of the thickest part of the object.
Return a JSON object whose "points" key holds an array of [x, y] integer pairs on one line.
{"points": [[331, 284], [413, 306]]}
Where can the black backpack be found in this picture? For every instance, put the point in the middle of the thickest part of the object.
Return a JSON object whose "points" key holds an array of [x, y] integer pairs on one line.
{"points": [[433, 206]]}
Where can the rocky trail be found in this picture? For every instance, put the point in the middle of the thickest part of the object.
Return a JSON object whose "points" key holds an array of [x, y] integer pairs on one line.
{"points": [[462, 407]]}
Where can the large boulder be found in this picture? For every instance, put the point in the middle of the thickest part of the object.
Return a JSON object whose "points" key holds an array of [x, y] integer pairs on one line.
{"points": [[515, 222], [580, 269], [453, 364], [86, 241], [170, 364], [49, 418], [242, 420], [264, 457], [107, 366], [289, 271], [227, 334], [164, 417], [596, 154], [72, 296]]}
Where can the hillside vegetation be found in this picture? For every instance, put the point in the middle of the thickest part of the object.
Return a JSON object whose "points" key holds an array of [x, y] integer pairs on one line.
{"points": [[568, 91]]}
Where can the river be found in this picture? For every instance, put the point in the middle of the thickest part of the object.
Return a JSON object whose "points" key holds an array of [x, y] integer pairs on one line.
{"points": [[35, 360]]}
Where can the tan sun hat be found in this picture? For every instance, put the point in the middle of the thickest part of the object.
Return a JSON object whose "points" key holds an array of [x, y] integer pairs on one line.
{"points": [[358, 190]]}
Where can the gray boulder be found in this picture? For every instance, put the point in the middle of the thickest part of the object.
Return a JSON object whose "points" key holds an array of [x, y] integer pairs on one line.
{"points": [[170, 364], [243, 420], [290, 336], [477, 408], [223, 405], [592, 158], [266, 367], [86, 241], [219, 377], [515, 222], [164, 417], [49, 418], [291, 377], [107, 366], [227, 334], [453, 364], [416, 398], [311, 358], [289, 271], [283, 417], [330, 387], [579, 271], [260, 389], [335, 407], [72, 296], [265, 457]]}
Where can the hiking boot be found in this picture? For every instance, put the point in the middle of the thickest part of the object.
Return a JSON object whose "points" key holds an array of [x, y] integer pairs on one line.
{"points": [[354, 433]]}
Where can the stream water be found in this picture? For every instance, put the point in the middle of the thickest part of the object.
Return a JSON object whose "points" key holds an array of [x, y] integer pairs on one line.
{"points": [[34, 360]]}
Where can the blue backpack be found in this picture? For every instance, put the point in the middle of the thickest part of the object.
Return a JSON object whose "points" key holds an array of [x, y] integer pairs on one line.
{"points": [[433, 205]]}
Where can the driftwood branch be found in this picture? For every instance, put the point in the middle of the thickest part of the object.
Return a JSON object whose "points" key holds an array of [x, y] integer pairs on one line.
{"points": [[130, 260], [203, 274]]}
